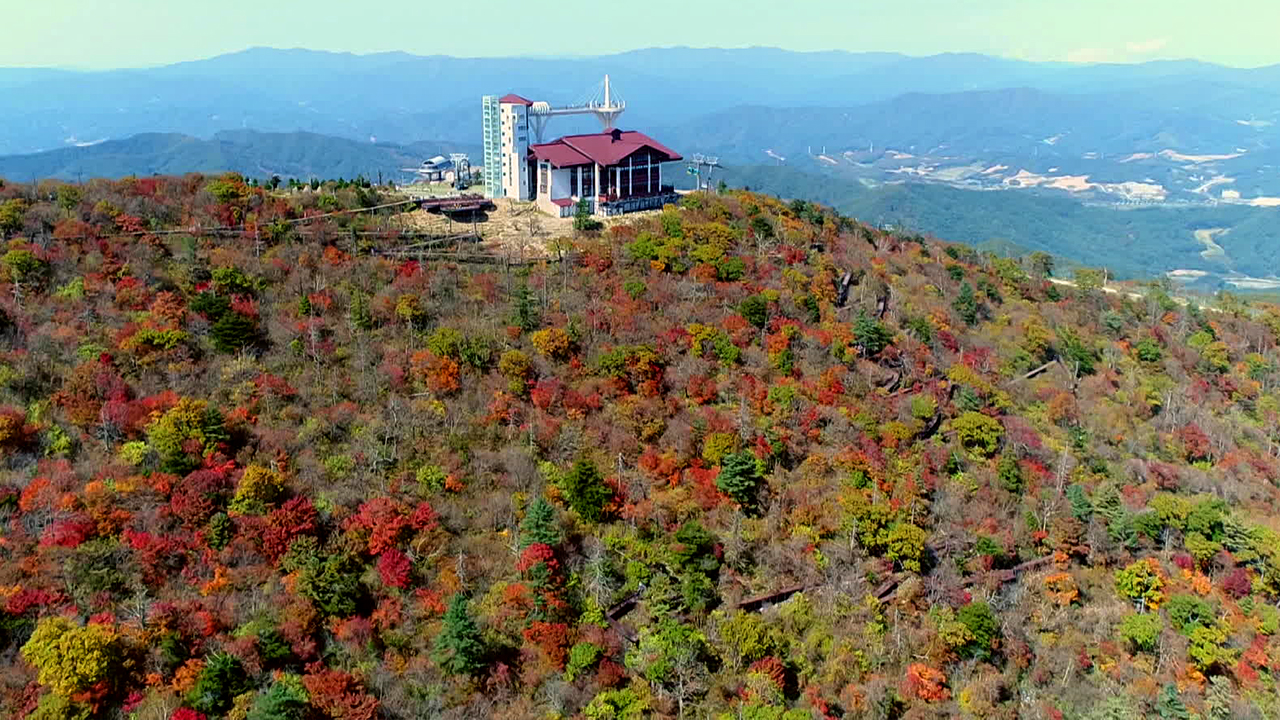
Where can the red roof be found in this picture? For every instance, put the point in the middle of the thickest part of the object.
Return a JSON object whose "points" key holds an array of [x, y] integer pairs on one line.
{"points": [[512, 98], [607, 148], [559, 154], [562, 202]]}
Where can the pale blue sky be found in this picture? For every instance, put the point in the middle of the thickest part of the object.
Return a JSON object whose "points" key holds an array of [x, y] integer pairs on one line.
{"points": [[135, 33]]}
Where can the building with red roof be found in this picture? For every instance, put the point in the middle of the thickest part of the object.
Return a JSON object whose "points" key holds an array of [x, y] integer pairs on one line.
{"points": [[615, 172]]}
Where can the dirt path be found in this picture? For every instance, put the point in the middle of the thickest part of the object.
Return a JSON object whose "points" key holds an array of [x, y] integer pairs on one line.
{"points": [[515, 228]]}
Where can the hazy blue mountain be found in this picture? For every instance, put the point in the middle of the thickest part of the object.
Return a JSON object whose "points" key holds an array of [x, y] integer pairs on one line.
{"points": [[991, 121], [261, 155], [399, 97]]}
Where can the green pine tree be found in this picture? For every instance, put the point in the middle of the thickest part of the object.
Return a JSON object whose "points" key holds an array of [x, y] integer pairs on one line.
{"points": [[527, 317], [1169, 706], [221, 680], [871, 335], [358, 314], [459, 648], [1010, 473], [966, 304], [286, 699], [740, 478], [233, 332], [539, 525], [585, 491], [1081, 508]]}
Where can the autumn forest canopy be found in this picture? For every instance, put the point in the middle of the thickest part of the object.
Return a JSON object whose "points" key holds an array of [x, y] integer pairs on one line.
{"points": [[742, 458]]}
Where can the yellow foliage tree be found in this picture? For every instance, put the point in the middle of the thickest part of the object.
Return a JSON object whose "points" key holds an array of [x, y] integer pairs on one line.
{"points": [[71, 659], [258, 488], [553, 343], [979, 433]]}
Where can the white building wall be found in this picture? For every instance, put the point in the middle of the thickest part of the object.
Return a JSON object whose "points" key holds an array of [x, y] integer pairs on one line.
{"points": [[515, 149]]}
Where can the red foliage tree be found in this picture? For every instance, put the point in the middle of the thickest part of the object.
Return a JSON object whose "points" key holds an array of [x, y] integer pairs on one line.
{"points": [[393, 568]]}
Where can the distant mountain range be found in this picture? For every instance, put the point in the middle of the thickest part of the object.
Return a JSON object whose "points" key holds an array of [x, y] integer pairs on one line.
{"points": [[298, 154], [401, 98]]}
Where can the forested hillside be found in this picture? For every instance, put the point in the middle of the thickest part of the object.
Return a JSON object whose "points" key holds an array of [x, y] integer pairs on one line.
{"points": [[739, 459], [254, 154]]}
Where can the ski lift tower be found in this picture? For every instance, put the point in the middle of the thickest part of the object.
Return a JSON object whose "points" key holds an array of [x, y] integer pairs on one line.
{"points": [[699, 161]]}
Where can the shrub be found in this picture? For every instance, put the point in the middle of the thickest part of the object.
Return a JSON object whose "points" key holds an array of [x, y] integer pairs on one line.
{"points": [[582, 656], [1187, 612], [978, 433], [755, 310], [982, 624], [446, 342], [554, 343], [1142, 630], [185, 433], [1148, 350], [258, 488]]}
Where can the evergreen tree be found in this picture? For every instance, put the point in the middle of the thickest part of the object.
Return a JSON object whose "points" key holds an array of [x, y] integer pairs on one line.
{"points": [[871, 335], [1074, 352], [755, 309], [1010, 473], [233, 331], [358, 314], [585, 491], [1081, 508], [459, 649], [527, 315], [221, 680], [582, 220], [983, 624], [740, 479], [1169, 706], [286, 699], [539, 525], [333, 583], [966, 304]]}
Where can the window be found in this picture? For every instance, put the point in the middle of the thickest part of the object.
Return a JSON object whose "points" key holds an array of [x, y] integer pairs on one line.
{"points": [[544, 182]]}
